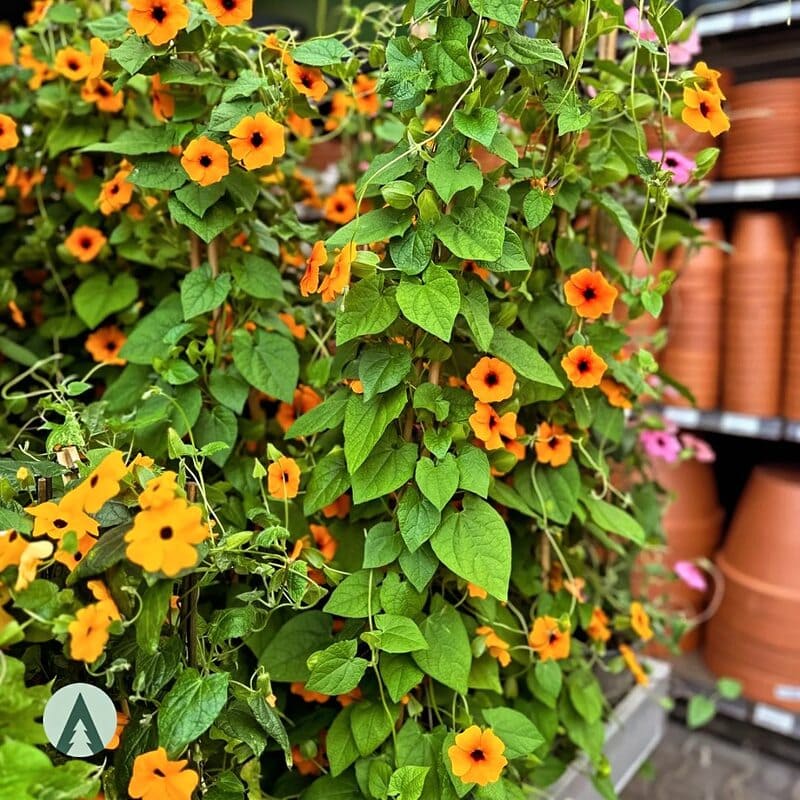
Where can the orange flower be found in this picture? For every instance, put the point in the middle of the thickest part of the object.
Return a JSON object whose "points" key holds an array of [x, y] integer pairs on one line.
{"points": [[102, 94], [301, 127], [159, 492], [6, 46], [491, 380], [122, 722], [89, 633], [24, 179], [37, 13], [472, 267], [85, 243], [477, 756], [324, 540], [490, 427], [295, 328], [338, 279], [100, 593], [309, 283], [710, 78], [304, 399], [548, 640], [283, 478], [339, 508], [73, 64], [584, 367], [12, 546], [116, 193], [497, 647], [16, 314], [310, 697], [291, 255], [155, 777], [553, 446], [597, 629], [165, 539], [163, 103], [616, 393], [57, 519], [104, 345], [476, 591], [367, 100], [307, 80], [355, 385], [205, 161], [341, 104], [71, 560], [307, 766], [516, 448], [353, 696], [703, 112], [102, 483], [640, 622], [590, 293], [158, 20], [633, 665], [8, 133], [230, 12], [29, 563], [41, 71], [97, 57], [341, 206], [257, 141]]}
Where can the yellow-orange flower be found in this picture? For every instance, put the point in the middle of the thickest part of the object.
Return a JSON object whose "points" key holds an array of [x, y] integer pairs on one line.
{"points": [[89, 633], [301, 127], [73, 63], [553, 446], [155, 777], [283, 478], [366, 98], [165, 539], [257, 141], [57, 519], [477, 756], [338, 279], [702, 112], [163, 102], [71, 559], [116, 192], [709, 77], [476, 591], [633, 665], [102, 94], [308, 696], [102, 483], [490, 427], [29, 562], [309, 283], [39, 9], [497, 647], [640, 621], [230, 12], [24, 179], [6, 46], [584, 367], [341, 104], [12, 546], [491, 380], [205, 161], [295, 328], [589, 293], [339, 508], [97, 57], [100, 593], [548, 640], [41, 70], [104, 345], [307, 766], [616, 393], [159, 492], [8, 133], [341, 206], [122, 722], [303, 400], [307, 80], [324, 540], [158, 20], [598, 629], [85, 243]]}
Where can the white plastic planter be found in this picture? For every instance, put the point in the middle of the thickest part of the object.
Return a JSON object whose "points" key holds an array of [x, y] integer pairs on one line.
{"points": [[632, 733]]}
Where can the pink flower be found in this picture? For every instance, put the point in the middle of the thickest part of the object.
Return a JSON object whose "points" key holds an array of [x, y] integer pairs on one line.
{"points": [[641, 27], [690, 575], [681, 53], [701, 450], [661, 444], [675, 162]]}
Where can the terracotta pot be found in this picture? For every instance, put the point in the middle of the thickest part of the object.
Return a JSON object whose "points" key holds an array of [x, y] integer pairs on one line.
{"points": [[791, 395], [693, 488]]}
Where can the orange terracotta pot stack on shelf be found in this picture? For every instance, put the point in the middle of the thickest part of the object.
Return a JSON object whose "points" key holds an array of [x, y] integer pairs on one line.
{"points": [[754, 636], [754, 316], [692, 355], [791, 395], [764, 140]]}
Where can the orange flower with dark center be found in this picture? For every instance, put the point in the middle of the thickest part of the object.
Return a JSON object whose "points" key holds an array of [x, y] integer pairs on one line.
{"points": [[584, 367], [703, 112], [341, 104], [104, 599], [58, 519], [295, 328], [71, 559], [629, 657], [640, 622], [477, 756], [598, 629], [301, 127], [339, 508], [283, 478], [709, 77], [39, 9], [305, 398], [553, 446], [309, 283], [8, 133], [307, 80], [547, 639], [6, 46], [308, 696], [155, 777], [490, 427], [89, 633], [160, 491], [102, 94], [104, 345], [158, 20], [12, 546], [474, 268], [205, 161], [116, 193], [497, 647], [616, 393], [102, 484], [41, 70], [338, 279], [230, 12], [97, 57], [257, 141], [590, 294], [491, 380], [24, 179], [84, 243], [324, 540], [366, 98], [73, 64], [162, 100], [341, 206]]}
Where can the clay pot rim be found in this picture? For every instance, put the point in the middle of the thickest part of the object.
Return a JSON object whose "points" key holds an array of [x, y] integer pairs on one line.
{"points": [[735, 575]]}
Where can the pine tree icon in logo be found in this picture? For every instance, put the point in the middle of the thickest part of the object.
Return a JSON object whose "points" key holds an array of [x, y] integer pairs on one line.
{"points": [[80, 720], [79, 737]]}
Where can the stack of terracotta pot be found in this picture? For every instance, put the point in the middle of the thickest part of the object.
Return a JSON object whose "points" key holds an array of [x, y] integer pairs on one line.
{"points": [[791, 395], [693, 526], [764, 139], [754, 636], [754, 318], [695, 318]]}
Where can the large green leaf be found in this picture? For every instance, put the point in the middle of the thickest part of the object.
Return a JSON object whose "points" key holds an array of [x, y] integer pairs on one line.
{"points": [[201, 292], [386, 469], [337, 669], [382, 367], [257, 277], [438, 482], [374, 226], [151, 617], [520, 736], [221, 217], [614, 520], [98, 297], [526, 360], [328, 414], [432, 304], [505, 11], [537, 206], [371, 724], [400, 674], [448, 657], [286, 654], [340, 744], [369, 308], [329, 480], [399, 634], [268, 362], [355, 597], [365, 422], [473, 232], [146, 341], [447, 54], [320, 52], [417, 518], [448, 178], [480, 125], [138, 141]]}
